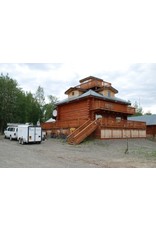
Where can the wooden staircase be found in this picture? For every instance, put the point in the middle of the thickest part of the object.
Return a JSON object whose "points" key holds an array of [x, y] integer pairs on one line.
{"points": [[82, 132]]}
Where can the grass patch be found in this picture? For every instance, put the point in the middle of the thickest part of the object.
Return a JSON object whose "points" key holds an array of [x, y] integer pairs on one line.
{"points": [[153, 153]]}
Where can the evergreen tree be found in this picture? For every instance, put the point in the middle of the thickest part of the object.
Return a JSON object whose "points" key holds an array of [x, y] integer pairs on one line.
{"points": [[39, 96], [138, 109], [32, 109], [148, 113], [49, 108], [8, 100], [17, 106]]}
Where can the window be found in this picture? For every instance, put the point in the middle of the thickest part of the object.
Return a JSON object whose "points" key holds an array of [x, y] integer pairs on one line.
{"points": [[118, 119], [72, 93], [109, 94]]}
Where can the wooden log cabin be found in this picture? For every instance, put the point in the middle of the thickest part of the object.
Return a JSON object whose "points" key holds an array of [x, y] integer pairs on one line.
{"points": [[92, 109], [150, 124]]}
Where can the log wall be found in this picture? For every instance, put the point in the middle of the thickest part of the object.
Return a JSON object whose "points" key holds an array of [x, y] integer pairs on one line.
{"points": [[71, 111], [151, 130]]}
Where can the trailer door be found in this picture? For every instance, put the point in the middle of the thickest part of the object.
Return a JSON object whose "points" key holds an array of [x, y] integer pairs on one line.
{"points": [[31, 135], [38, 134]]}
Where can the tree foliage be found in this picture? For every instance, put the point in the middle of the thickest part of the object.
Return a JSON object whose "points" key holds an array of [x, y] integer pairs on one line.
{"points": [[8, 99], [148, 113], [40, 96], [49, 108], [32, 109], [138, 109], [17, 106]]}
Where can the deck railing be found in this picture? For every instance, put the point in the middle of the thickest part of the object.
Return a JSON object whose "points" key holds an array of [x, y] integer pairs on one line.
{"points": [[63, 124], [92, 84], [108, 106], [130, 110], [122, 124]]}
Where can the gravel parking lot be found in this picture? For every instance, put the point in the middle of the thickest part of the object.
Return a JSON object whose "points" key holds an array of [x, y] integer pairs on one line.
{"points": [[56, 153]]}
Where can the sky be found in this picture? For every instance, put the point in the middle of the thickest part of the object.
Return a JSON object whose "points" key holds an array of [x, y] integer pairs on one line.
{"points": [[61, 42], [135, 82]]}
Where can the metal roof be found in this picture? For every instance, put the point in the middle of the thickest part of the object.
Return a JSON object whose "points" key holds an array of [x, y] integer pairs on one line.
{"points": [[149, 119], [94, 94]]}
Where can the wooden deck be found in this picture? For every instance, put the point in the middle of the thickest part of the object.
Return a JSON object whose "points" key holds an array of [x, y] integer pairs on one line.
{"points": [[92, 84], [101, 129], [122, 124], [99, 105], [106, 123], [63, 124]]}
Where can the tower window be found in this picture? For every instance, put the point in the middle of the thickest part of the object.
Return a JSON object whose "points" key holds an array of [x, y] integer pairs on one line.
{"points": [[109, 94]]}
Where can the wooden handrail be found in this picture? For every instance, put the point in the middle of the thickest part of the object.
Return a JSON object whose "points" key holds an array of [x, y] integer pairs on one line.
{"points": [[82, 132], [78, 130], [62, 124], [122, 124], [114, 107], [85, 132]]}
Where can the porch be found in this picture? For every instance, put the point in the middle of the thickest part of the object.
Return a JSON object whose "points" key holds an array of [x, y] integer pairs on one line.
{"points": [[119, 129], [103, 106], [126, 124]]}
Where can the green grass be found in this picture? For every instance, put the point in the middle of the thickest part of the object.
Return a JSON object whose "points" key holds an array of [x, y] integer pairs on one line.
{"points": [[153, 153]]}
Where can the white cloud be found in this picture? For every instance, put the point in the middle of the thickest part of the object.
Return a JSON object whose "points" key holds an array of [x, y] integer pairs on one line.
{"points": [[135, 82]]}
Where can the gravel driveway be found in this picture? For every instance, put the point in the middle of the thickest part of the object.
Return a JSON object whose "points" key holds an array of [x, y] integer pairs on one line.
{"points": [[56, 153]]}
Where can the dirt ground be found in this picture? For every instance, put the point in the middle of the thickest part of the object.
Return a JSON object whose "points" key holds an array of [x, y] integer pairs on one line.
{"points": [[56, 153]]}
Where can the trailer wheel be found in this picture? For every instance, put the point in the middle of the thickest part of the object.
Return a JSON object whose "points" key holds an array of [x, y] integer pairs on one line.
{"points": [[22, 141]]}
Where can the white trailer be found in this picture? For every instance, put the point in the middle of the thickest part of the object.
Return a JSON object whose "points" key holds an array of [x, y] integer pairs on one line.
{"points": [[29, 134]]}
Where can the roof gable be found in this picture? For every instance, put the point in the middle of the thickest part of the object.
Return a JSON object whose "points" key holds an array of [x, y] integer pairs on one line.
{"points": [[93, 94]]}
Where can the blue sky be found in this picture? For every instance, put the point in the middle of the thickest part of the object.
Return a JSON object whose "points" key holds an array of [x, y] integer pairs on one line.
{"points": [[135, 82]]}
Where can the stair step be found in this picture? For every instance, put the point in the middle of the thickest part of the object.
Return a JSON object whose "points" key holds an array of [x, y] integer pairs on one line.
{"points": [[82, 132]]}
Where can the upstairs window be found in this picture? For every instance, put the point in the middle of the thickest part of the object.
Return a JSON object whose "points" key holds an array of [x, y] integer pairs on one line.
{"points": [[109, 93]]}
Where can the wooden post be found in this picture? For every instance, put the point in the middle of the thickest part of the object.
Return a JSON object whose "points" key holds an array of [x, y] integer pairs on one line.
{"points": [[127, 149]]}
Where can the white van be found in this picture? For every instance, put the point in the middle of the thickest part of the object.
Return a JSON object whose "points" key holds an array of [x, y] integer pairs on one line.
{"points": [[11, 132]]}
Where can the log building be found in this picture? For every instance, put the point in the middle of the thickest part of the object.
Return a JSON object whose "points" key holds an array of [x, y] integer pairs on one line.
{"points": [[150, 124], [92, 108]]}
